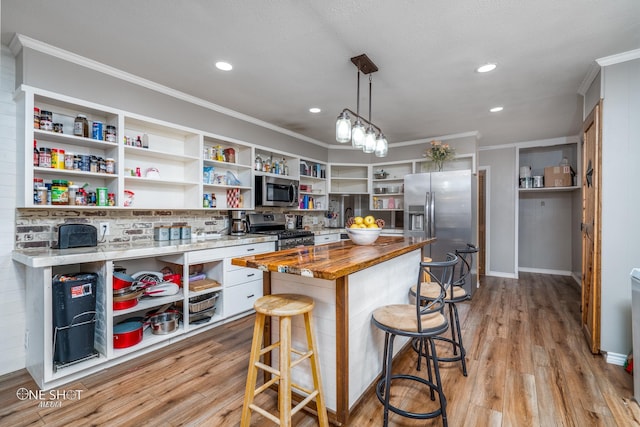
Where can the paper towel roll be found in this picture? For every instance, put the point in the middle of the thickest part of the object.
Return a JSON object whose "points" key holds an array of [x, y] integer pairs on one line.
{"points": [[525, 171]]}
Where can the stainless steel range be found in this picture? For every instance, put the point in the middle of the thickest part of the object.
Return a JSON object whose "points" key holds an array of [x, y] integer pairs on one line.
{"points": [[275, 224]]}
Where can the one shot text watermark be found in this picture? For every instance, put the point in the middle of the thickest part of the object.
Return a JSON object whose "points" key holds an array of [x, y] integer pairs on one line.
{"points": [[48, 398]]}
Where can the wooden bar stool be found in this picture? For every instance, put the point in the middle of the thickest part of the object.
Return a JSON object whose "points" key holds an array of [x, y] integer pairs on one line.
{"points": [[283, 306]]}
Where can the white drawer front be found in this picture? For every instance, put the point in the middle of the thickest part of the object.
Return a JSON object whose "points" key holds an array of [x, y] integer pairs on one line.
{"points": [[246, 250], [206, 255], [242, 275], [238, 299], [326, 238]]}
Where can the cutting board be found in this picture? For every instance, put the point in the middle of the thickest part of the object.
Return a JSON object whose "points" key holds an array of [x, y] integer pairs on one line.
{"points": [[201, 285]]}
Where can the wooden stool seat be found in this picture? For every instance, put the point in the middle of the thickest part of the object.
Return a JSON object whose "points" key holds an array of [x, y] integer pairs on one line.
{"points": [[284, 306]]}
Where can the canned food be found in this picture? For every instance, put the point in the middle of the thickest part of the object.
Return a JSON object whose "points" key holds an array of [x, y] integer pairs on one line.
{"points": [[77, 162], [97, 130]]}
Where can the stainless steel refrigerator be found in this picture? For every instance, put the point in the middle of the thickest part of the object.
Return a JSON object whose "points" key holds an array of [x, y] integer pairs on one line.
{"points": [[442, 205]]}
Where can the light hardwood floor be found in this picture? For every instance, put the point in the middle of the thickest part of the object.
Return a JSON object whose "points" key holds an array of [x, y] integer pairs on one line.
{"points": [[528, 364]]}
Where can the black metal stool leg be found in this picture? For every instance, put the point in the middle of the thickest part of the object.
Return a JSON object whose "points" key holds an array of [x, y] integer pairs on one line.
{"points": [[443, 399], [463, 352], [388, 350], [453, 330]]}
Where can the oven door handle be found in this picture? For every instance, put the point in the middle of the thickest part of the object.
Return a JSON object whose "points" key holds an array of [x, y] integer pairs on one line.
{"points": [[293, 194]]}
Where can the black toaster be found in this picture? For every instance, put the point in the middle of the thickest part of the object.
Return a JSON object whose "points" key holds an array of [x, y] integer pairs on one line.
{"points": [[77, 236]]}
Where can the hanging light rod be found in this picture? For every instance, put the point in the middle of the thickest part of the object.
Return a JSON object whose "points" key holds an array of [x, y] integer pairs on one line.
{"points": [[367, 140]]}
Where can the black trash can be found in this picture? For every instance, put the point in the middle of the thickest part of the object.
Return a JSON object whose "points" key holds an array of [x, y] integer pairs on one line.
{"points": [[74, 316]]}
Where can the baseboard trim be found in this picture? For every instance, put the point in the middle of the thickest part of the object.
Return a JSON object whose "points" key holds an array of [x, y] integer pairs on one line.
{"points": [[545, 271], [502, 274]]}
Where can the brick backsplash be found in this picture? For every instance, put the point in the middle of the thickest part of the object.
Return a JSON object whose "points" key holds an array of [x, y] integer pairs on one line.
{"points": [[38, 228]]}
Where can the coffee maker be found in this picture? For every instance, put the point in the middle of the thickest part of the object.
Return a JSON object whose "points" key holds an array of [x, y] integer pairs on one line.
{"points": [[238, 223]]}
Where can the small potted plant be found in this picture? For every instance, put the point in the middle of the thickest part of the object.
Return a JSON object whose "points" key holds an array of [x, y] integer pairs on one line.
{"points": [[439, 153]]}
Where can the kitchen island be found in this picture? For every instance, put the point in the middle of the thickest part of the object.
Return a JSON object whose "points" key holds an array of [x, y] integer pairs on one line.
{"points": [[347, 282]]}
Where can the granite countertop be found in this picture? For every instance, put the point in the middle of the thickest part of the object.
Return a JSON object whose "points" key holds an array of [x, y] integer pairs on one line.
{"points": [[46, 257], [332, 260]]}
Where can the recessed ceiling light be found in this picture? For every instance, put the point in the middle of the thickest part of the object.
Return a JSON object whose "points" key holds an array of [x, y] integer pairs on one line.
{"points": [[314, 110], [496, 109], [486, 68], [224, 66]]}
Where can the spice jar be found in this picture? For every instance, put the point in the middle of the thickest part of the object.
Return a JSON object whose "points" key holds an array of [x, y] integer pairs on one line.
{"points": [[81, 126], [110, 165], [45, 157], [73, 191], [36, 118], [68, 160], [111, 199], [110, 134], [46, 120]]}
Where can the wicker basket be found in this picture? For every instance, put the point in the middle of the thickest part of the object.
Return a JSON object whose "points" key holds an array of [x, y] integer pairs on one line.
{"points": [[202, 302]]}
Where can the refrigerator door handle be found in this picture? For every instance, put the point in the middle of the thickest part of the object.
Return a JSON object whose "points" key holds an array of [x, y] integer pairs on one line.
{"points": [[432, 214], [427, 215]]}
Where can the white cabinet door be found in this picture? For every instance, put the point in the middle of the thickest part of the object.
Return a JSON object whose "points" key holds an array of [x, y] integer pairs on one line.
{"points": [[240, 298], [326, 238]]}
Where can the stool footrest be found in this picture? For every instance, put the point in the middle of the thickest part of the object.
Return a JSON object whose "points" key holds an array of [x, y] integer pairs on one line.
{"points": [[304, 402], [304, 356], [264, 413], [267, 368], [265, 386]]}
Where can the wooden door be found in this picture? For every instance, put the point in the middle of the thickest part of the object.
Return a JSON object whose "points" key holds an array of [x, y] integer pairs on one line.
{"points": [[590, 227]]}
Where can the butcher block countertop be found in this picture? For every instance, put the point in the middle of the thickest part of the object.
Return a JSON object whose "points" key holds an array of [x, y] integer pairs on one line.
{"points": [[333, 260]]}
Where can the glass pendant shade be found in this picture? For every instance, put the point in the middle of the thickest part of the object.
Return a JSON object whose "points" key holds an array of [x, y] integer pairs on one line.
{"points": [[382, 147], [343, 128], [357, 134], [369, 141]]}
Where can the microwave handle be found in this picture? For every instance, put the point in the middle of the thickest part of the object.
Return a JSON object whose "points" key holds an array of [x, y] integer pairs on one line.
{"points": [[293, 194]]}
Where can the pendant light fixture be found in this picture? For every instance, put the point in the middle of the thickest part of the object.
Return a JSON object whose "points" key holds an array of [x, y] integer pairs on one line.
{"points": [[371, 139]]}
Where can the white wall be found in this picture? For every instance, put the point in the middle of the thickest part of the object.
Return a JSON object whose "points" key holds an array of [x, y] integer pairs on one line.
{"points": [[12, 285], [620, 200]]}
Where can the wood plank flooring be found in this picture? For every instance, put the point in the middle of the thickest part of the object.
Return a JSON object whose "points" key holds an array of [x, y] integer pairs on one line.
{"points": [[528, 363]]}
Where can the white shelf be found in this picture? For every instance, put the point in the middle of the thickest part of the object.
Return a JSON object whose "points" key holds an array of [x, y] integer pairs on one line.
{"points": [[548, 189], [63, 138]]}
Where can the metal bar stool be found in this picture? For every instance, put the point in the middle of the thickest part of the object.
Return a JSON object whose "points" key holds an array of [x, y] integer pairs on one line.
{"points": [[421, 321], [283, 306], [455, 294]]}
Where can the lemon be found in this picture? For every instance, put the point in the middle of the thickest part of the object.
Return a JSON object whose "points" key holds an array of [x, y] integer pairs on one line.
{"points": [[358, 220], [374, 225], [369, 219], [355, 226]]}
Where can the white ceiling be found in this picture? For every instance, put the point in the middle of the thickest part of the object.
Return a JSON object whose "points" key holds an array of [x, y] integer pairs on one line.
{"points": [[292, 55]]}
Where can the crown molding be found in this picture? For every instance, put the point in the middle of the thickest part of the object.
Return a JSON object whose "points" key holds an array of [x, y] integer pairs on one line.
{"points": [[21, 41], [618, 58], [592, 73]]}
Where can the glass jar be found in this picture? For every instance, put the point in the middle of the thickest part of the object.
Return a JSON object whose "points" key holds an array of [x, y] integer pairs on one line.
{"points": [[46, 120], [81, 126], [111, 165], [36, 118], [59, 192]]}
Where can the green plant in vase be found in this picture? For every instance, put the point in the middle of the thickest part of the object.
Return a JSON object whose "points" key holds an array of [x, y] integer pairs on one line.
{"points": [[438, 153]]}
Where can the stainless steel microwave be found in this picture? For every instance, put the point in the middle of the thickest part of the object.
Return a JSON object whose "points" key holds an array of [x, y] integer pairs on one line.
{"points": [[276, 191]]}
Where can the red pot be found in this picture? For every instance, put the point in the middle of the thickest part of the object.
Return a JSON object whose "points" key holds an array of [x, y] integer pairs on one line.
{"points": [[127, 334], [121, 280], [127, 300]]}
